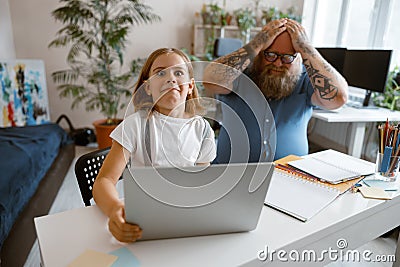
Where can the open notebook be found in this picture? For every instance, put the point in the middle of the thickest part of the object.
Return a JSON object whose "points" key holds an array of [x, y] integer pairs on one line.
{"points": [[300, 195], [333, 166]]}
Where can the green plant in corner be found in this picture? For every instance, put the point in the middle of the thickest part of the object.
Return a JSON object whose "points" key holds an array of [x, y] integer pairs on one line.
{"points": [[390, 98], [96, 32]]}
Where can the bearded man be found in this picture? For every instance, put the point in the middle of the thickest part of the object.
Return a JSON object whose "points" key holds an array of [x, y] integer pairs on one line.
{"points": [[291, 75]]}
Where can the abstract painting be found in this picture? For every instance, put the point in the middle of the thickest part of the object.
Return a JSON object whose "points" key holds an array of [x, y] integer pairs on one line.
{"points": [[23, 93]]}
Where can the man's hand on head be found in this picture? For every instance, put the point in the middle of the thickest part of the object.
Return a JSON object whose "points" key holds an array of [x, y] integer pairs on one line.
{"points": [[299, 37], [267, 35]]}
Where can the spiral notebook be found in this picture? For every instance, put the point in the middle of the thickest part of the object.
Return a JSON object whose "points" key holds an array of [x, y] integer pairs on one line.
{"points": [[333, 166], [298, 197], [302, 195]]}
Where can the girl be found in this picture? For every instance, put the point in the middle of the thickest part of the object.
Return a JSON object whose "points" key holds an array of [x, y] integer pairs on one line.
{"points": [[166, 103]]}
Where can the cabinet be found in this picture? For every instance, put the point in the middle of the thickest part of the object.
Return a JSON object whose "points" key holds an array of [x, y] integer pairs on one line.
{"points": [[205, 35]]}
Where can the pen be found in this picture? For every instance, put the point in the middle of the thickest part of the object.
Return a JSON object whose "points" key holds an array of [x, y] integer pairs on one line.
{"points": [[385, 131], [395, 140], [381, 137], [393, 164], [390, 135]]}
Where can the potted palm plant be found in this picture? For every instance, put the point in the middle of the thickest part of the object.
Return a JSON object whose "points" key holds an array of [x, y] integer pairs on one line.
{"points": [[96, 33]]}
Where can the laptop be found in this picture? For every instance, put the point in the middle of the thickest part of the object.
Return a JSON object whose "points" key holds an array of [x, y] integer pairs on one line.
{"points": [[170, 202]]}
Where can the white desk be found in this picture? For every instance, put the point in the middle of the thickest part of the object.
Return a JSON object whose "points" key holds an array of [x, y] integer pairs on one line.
{"points": [[358, 119], [64, 236]]}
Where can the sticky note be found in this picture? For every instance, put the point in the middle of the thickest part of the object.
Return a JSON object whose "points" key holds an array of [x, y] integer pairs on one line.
{"points": [[374, 192], [125, 258], [91, 258]]}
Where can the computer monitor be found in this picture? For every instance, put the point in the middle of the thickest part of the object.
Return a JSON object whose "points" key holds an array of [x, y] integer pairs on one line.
{"points": [[367, 69], [334, 56]]}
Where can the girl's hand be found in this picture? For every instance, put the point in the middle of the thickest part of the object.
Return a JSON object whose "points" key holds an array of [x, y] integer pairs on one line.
{"points": [[120, 229]]}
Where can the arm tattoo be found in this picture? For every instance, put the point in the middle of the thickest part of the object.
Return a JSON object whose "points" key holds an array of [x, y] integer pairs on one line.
{"points": [[306, 49], [321, 83], [236, 60], [235, 64]]}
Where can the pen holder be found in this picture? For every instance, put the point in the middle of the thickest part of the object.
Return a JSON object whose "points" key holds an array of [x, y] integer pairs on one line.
{"points": [[387, 167]]}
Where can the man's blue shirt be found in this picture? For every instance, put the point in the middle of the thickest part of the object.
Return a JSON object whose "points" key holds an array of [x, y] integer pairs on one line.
{"points": [[261, 136]]}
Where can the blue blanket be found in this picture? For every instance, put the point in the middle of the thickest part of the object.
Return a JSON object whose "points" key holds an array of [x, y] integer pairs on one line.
{"points": [[26, 153]]}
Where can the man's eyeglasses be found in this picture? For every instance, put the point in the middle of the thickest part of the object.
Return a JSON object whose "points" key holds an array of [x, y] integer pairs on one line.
{"points": [[285, 58]]}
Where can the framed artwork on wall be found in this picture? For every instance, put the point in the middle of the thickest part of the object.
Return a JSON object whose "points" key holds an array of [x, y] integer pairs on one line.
{"points": [[23, 93]]}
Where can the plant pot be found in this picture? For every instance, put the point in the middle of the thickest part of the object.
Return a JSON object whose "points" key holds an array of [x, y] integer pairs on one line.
{"points": [[103, 132]]}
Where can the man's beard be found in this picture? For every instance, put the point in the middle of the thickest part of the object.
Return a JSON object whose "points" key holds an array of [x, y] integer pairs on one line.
{"points": [[275, 86]]}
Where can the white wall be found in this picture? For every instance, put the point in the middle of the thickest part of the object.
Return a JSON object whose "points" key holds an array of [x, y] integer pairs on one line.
{"points": [[7, 50], [33, 29]]}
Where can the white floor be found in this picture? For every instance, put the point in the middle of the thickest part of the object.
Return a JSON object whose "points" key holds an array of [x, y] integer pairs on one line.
{"points": [[69, 198]]}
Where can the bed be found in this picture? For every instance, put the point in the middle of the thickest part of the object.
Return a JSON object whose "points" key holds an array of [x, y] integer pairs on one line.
{"points": [[33, 163]]}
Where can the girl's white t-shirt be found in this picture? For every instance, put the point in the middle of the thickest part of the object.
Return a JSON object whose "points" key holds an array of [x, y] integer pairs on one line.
{"points": [[174, 142]]}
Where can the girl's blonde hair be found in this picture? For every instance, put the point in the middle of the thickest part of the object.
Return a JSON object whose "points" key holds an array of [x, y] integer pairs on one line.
{"points": [[141, 100]]}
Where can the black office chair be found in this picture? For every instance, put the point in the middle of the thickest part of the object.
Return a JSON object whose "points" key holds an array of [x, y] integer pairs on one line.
{"points": [[86, 169], [224, 46]]}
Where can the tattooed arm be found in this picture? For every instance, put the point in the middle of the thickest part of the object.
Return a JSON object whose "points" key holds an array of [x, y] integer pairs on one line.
{"points": [[330, 88], [220, 74]]}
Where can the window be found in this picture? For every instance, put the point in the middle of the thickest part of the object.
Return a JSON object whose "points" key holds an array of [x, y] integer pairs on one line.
{"points": [[360, 15], [355, 24], [326, 32], [392, 37]]}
